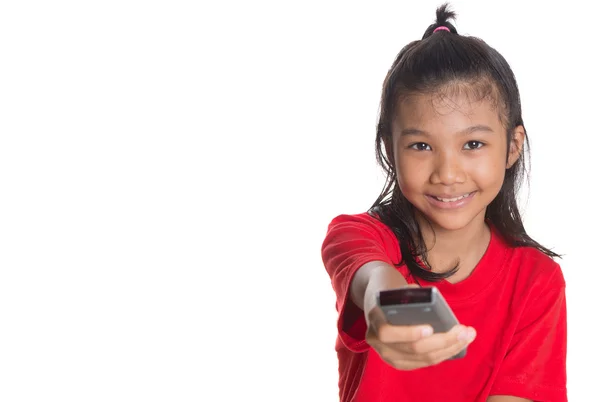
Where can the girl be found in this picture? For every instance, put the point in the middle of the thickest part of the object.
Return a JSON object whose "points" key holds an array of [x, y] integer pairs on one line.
{"points": [[451, 140]]}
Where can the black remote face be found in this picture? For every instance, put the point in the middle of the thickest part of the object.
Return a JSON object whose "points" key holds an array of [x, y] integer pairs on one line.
{"points": [[418, 306], [405, 296]]}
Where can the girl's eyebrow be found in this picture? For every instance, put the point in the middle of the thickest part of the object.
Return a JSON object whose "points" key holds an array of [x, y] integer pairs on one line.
{"points": [[468, 130]]}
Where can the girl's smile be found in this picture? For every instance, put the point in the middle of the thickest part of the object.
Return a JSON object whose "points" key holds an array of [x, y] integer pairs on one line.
{"points": [[450, 201]]}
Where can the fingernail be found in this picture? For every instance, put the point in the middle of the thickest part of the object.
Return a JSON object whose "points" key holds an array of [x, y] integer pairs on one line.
{"points": [[463, 335], [427, 331], [471, 334]]}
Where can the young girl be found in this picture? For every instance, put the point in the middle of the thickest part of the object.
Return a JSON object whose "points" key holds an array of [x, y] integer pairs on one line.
{"points": [[451, 139]]}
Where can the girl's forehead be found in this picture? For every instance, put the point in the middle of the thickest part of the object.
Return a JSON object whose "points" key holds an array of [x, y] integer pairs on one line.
{"points": [[444, 108]]}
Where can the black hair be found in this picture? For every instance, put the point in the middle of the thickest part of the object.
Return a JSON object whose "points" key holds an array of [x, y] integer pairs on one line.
{"points": [[440, 59]]}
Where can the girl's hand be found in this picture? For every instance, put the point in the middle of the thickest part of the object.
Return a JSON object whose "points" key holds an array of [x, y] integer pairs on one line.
{"points": [[413, 347]]}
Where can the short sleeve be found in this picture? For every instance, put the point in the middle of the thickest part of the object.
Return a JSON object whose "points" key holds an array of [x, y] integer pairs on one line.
{"points": [[535, 364], [351, 242]]}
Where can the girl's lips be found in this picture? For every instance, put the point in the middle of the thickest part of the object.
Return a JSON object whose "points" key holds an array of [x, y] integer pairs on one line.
{"points": [[460, 202]]}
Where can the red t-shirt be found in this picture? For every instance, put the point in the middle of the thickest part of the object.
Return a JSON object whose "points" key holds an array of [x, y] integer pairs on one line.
{"points": [[515, 299]]}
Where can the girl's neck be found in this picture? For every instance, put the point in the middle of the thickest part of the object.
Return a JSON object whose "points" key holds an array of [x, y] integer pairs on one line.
{"points": [[465, 246]]}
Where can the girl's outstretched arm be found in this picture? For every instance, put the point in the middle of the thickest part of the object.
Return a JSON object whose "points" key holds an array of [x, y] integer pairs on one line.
{"points": [[372, 278], [359, 264]]}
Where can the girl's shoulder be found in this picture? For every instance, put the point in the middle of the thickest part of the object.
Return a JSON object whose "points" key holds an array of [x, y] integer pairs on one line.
{"points": [[534, 268], [366, 223], [368, 220], [363, 227]]}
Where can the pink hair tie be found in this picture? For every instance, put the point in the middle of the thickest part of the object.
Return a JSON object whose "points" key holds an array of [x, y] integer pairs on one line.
{"points": [[441, 29]]}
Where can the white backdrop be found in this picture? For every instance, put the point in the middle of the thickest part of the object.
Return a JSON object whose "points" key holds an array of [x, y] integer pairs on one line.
{"points": [[168, 170]]}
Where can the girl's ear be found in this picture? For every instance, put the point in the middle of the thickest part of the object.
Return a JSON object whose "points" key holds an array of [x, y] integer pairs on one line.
{"points": [[389, 145], [515, 146]]}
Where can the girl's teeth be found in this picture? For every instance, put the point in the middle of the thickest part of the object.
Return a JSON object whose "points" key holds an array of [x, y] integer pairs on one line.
{"points": [[452, 199]]}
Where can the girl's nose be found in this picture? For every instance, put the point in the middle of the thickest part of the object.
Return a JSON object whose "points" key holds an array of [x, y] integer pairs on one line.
{"points": [[448, 170]]}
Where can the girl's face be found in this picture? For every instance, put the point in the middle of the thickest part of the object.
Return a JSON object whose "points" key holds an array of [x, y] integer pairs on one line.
{"points": [[450, 154]]}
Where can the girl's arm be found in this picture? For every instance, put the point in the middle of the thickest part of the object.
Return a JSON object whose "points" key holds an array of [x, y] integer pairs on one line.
{"points": [[372, 278], [358, 254]]}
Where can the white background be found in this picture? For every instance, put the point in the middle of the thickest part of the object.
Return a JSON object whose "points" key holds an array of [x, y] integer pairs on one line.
{"points": [[168, 170]]}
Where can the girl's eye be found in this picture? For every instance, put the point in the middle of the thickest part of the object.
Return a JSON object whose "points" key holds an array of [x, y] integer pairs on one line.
{"points": [[420, 146], [473, 145]]}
